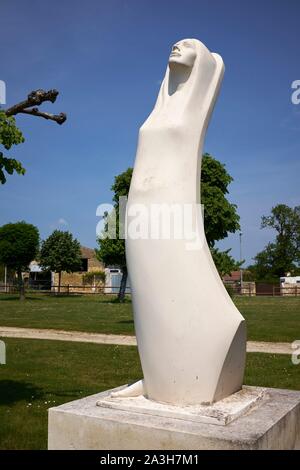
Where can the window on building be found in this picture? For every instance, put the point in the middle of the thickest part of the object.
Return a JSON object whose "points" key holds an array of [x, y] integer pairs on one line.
{"points": [[84, 264]]}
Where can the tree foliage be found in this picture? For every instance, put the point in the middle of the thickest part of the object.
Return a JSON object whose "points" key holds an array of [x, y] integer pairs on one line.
{"points": [[121, 185], [220, 216], [9, 135], [19, 243], [60, 252], [224, 262], [112, 250], [283, 255]]}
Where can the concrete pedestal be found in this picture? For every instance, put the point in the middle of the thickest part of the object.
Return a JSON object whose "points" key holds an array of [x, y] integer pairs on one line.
{"points": [[265, 419]]}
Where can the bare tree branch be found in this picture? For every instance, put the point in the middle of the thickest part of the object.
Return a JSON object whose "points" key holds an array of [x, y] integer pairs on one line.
{"points": [[59, 118], [36, 98]]}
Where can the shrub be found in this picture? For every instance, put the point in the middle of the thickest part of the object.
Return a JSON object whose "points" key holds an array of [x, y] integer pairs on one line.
{"points": [[97, 277]]}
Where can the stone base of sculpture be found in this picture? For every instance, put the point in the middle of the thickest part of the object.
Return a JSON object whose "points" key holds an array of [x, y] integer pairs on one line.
{"points": [[220, 413], [254, 418]]}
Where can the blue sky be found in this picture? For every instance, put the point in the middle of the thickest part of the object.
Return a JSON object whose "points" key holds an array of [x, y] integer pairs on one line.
{"points": [[107, 59]]}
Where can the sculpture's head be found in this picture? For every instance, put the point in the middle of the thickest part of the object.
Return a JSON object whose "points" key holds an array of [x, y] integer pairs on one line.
{"points": [[183, 53], [192, 81]]}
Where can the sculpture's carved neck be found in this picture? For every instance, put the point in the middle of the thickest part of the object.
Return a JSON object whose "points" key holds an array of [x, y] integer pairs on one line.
{"points": [[178, 76]]}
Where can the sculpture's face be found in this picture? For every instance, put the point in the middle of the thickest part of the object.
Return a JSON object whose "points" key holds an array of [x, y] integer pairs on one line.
{"points": [[184, 53]]}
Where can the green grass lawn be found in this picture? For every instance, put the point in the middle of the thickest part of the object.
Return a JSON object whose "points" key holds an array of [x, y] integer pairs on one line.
{"points": [[271, 318], [92, 313], [268, 318], [42, 374]]}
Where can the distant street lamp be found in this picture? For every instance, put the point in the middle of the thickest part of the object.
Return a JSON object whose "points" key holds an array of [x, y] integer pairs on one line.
{"points": [[241, 270], [5, 279]]}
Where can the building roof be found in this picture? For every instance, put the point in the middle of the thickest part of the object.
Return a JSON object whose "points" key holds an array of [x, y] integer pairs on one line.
{"points": [[233, 276], [87, 253]]}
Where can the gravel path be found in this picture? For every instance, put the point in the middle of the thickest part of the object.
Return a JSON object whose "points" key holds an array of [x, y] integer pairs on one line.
{"points": [[62, 335], [82, 337]]}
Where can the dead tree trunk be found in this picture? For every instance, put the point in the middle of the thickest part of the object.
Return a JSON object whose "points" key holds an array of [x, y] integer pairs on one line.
{"points": [[122, 291]]}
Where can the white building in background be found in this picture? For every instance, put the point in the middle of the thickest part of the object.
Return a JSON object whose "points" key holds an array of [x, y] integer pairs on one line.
{"points": [[113, 278], [290, 280], [290, 285]]}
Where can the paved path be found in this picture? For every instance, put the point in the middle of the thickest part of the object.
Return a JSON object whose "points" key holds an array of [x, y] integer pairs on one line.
{"points": [[62, 335], [79, 336], [272, 348]]}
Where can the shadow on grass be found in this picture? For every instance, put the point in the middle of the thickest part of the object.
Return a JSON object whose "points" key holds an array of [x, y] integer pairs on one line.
{"points": [[63, 295], [127, 322], [3, 298], [73, 394], [72, 297], [117, 301], [12, 391]]}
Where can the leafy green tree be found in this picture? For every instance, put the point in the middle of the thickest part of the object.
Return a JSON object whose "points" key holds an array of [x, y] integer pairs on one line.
{"points": [[9, 133], [224, 262], [19, 243], [220, 218], [60, 252], [112, 250], [283, 255], [250, 274]]}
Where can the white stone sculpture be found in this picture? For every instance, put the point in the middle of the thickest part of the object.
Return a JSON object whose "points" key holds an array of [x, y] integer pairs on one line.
{"points": [[191, 337]]}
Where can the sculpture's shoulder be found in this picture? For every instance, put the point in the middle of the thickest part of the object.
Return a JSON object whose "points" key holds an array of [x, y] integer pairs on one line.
{"points": [[162, 124]]}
